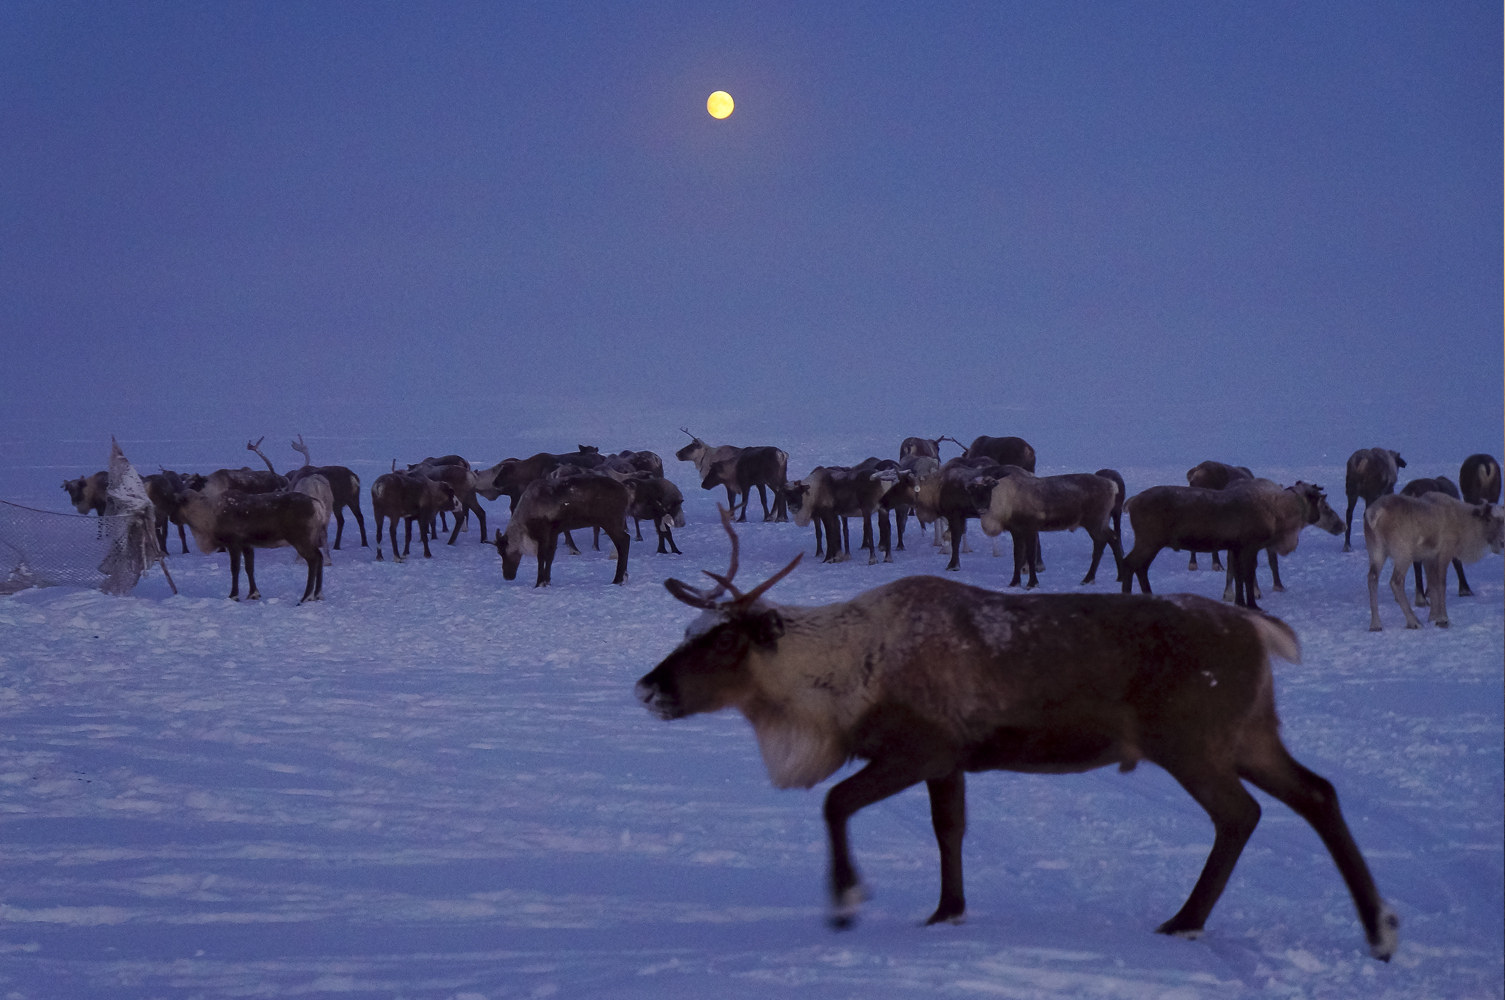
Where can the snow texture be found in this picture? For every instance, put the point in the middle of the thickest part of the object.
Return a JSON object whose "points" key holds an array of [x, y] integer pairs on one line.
{"points": [[436, 784]]}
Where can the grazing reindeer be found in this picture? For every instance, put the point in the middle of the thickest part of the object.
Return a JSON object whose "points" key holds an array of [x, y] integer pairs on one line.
{"points": [[1371, 474], [1479, 479], [88, 493], [925, 679], [161, 489], [1432, 529], [241, 523], [551, 506], [344, 486]]}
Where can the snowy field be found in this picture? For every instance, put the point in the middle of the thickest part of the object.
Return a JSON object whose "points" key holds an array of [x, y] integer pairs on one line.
{"points": [[436, 784]]}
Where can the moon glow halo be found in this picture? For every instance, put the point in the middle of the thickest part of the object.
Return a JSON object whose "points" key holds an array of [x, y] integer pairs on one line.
{"points": [[719, 104]]}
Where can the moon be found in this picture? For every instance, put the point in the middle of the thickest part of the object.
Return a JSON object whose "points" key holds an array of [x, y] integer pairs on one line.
{"points": [[719, 104]]}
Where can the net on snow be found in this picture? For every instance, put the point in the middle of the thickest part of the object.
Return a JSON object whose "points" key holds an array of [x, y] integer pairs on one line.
{"points": [[40, 548]]}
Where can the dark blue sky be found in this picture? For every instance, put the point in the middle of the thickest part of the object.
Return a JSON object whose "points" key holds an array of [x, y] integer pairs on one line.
{"points": [[1175, 230]]}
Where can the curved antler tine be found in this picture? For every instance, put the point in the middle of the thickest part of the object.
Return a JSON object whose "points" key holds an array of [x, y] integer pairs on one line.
{"points": [[756, 592], [689, 595], [726, 522], [725, 584]]}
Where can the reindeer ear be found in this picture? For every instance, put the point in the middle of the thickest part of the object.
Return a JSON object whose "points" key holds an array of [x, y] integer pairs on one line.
{"points": [[767, 628]]}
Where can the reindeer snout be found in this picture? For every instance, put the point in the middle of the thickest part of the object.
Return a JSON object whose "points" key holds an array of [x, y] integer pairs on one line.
{"points": [[658, 701]]}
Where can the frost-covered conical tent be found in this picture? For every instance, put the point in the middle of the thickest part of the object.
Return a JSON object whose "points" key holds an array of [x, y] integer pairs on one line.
{"points": [[133, 545]]}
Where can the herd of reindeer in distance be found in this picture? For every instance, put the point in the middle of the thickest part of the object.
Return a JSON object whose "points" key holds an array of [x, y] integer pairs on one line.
{"points": [[1430, 524]]}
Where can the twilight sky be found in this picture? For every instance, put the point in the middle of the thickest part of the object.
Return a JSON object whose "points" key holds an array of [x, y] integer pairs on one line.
{"points": [[1158, 230]]}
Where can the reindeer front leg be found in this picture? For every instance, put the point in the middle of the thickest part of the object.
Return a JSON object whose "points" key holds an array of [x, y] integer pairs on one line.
{"points": [[948, 816], [875, 782], [252, 594], [234, 571]]}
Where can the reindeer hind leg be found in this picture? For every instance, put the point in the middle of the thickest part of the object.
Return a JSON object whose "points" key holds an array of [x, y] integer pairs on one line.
{"points": [[1313, 798], [1234, 814]]}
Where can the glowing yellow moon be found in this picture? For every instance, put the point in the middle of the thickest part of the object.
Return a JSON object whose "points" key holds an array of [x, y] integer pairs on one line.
{"points": [[719, 104]]}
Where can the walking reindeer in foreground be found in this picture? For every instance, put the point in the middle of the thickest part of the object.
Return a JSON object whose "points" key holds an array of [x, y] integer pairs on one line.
{"points": [[926, 679]]}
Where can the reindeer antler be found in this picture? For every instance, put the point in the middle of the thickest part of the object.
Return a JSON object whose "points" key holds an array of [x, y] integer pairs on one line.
{"points": [[302, 449], [701, 599], [256, 447]]}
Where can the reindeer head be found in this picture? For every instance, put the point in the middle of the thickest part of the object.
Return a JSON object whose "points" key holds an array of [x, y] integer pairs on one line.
{"points": [[692, 450], [709, 669], [512, 556], [1494, 534]]}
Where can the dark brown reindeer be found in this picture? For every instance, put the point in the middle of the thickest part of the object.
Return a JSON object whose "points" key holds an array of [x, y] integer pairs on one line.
{"points": [[246, 479], [1118, 502], [1241, 520], [1004, 451], [762, 467], [1371, 474], [462, 483], [409, 497], [948, 494], [549, 507], [925, 679], [831, 494], [1479, 479], [162, 489], [1212, 475], [344, 486], [87, 493], [656, 499], [240, 523]]}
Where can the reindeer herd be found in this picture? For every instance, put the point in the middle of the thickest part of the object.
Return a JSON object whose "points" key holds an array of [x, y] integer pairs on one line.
{"points": [[1430, 525], [925, 679]]}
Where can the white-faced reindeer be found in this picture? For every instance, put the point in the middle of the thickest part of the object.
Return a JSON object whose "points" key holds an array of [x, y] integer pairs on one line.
{"points": [[87, 493], [925, 680], [703, 456], [1433, 530]]}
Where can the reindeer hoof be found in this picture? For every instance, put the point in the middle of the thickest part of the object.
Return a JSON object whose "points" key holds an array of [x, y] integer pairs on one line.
{"points": [[844, 914], [1376, 628], [948, 913], [1175, 928], [1443, 624], [1465, 592], [1387, 938], [1413, 624]]}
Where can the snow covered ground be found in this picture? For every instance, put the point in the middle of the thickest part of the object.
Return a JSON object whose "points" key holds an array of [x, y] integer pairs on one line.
{"points": [[437, 784]]}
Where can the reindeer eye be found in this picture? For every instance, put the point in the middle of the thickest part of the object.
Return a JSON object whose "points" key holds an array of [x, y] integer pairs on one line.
{"points": [[726, 641]]}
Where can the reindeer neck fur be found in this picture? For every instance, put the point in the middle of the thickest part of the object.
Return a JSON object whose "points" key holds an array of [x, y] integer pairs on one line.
{"points": [[810, 690], [520, 538]]}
